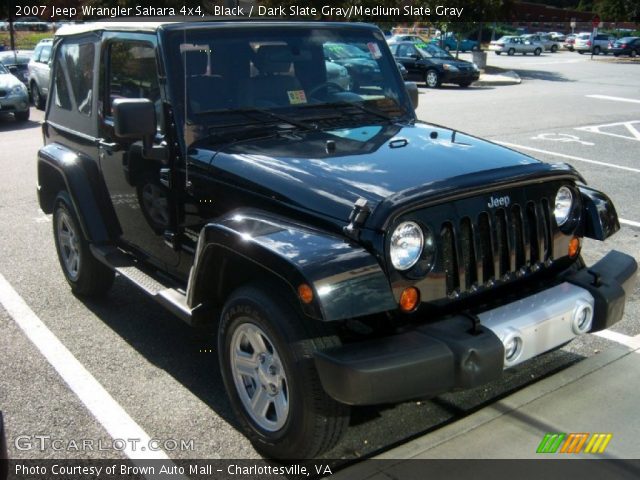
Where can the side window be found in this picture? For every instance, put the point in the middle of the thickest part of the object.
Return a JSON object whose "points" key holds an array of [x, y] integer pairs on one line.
{"points": [[45, 55], [72, 84], [36, 53], [76, 62], [133, 74]]}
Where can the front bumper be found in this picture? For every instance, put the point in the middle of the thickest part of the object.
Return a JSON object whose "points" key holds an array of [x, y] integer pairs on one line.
{"points": [[466, 351], [468, 76], [19, 103]]}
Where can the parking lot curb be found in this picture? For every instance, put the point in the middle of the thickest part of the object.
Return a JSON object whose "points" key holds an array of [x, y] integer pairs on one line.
{"points": [[419, 447], [507, 78]]}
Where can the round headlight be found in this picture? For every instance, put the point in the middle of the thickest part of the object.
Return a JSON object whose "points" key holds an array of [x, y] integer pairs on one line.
{"points": [[407, 241], [564, 202]]}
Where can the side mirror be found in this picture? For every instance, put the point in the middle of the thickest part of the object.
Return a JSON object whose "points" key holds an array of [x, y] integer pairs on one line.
{"points": [[412, 90], [135, 118]]}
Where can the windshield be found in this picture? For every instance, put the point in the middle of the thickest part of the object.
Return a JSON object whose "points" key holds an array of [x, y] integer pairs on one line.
{"points": [[3, 69], [431, 50], [290, 71]]}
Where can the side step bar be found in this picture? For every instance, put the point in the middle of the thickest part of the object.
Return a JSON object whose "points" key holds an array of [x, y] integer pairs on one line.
{"points": [[157, 288]]}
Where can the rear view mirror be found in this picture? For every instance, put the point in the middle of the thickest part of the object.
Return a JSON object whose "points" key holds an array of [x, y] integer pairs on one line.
{"points": [[134, 117], [412, 90]]}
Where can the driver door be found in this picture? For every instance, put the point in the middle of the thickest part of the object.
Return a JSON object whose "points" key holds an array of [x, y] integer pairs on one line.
{"points": [[137, 185]]}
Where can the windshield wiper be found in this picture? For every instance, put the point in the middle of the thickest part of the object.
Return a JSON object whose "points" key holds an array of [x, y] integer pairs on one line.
{"points": [[268, 113], [366, 109]]}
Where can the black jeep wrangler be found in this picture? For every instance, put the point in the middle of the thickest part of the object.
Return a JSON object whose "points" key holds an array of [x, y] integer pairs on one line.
{"points": [[348, 253]]}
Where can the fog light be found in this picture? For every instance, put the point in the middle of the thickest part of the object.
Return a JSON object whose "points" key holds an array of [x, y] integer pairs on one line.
{"points": [[512, 348], [409, 299], [582, 318], [574, 246]]}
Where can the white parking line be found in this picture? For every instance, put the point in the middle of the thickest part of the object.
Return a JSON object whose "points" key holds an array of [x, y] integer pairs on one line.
{"points": [[615, 99], [626, 340], [98, 401], [570, 157], [629, 222]]}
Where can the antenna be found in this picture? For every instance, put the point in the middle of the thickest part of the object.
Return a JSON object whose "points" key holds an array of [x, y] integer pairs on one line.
{"points": [[184, 72]]}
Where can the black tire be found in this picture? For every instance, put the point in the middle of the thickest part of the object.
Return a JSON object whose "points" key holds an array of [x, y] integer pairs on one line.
{"points": [[580, 52], [464, 84], [432, 78], [596, 50], [511, 52], [554, 48], [314, 422], [38, 100], [537, 52], [22, 116], [498, 53], [634, 53], [91, 278]]}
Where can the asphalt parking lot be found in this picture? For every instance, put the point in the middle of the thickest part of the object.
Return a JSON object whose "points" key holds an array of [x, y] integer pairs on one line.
{"points": [[164, 375]]}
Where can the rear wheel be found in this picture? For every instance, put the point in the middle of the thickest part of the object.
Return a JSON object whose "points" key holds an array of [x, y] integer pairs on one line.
{"points": [[554, 48], [511, 51], [432, 78], [84, 273], [633, 53], [498, 53], [596, 50], [38, 99], [266, 356]]}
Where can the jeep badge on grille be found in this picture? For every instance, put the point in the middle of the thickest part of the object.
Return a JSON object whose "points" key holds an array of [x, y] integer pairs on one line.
{"points": [[499, 201]]}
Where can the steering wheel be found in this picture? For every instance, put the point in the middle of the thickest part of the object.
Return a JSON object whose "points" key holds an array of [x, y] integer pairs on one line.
{"points": [[326, 86]]}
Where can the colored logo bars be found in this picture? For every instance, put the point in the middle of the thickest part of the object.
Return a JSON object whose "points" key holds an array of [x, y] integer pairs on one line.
{"points": [[574, 443]]}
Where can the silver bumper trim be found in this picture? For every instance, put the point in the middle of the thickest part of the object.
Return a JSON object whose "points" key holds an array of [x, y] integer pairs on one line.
{"points": [[540, 322]]}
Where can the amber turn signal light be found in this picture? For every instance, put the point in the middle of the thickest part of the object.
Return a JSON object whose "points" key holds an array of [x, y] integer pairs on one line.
{"points": [[409, 299], [574, 246], [305, 293]]}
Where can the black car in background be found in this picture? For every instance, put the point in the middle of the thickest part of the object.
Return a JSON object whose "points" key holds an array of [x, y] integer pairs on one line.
{"points": [[625, 46], [433, 65]]}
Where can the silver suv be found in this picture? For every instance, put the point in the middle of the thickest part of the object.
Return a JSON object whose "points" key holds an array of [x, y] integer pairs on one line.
{"points": [[39, 73], [599, 44]]}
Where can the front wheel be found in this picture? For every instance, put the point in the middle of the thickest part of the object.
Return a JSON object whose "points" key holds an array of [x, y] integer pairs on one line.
{"points": [[38, 100], [432, 79], [266, 356], [84, 273], [537, 52], [554, 48], [498, 53], [511, 51], [22, 116], [596, 50]]}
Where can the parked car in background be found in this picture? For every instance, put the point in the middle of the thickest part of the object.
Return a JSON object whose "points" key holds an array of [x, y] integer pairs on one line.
{"points": [[512, 45], [433, 65], [39, 73], [33, 24], [357, 61], [625, 46], [449, 42], [14, 96], [548, 43], [557, 36], [405, 38], [599, 44], [569, 40], [17, 62], [338, 75]]}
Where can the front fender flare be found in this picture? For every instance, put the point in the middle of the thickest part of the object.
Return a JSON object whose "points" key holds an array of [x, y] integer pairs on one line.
{"points": [[346, 279]]}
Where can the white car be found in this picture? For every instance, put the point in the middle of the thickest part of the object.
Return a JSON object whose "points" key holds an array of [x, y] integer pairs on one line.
{"points": [[585, 43], [512, 45], [547, 41]]}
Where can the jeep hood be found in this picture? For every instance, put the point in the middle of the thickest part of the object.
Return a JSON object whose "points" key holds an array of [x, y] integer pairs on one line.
{"points": [[327, 171]]}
